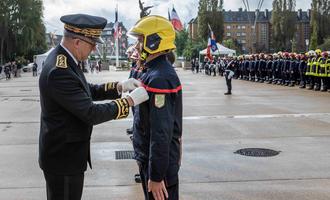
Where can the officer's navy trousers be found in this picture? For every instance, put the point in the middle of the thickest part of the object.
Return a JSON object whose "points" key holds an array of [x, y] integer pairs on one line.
{"points": [[64, 187]]}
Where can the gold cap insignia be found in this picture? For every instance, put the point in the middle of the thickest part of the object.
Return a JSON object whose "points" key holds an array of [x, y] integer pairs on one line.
{"points": [[159, 100], [61, 61]]}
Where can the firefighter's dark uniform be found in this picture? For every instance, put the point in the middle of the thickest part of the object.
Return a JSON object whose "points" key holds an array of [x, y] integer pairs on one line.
{"points": [[158, 127], [67, 118]]}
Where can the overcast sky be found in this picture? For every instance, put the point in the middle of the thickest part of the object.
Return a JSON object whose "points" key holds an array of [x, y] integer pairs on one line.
{"points": [[129, 9]]}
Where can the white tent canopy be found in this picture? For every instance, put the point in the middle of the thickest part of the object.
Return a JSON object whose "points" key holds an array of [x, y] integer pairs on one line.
{"points": [[222, 50], [41, 58]]}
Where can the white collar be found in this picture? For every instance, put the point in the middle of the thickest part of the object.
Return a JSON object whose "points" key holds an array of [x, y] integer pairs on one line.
{"points": [[74, 59]]}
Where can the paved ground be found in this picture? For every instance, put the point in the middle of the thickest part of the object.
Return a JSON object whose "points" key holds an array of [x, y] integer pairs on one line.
{"points": [[293, 121]]}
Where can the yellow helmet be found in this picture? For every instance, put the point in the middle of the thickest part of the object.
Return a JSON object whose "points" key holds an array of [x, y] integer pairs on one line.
{"points": [[158, 34], [318, 51]]}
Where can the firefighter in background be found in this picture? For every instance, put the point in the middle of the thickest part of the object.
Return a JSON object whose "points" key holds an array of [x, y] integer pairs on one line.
{"points": [[328, 72], [323, 72], [269, 64], [302, 67], [309, 76], [293, 69], [316, 70]]}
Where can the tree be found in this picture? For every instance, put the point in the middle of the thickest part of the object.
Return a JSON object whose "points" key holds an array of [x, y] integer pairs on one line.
{"points": [[283, 20], [193, 47], [208, 11], [233, 44], [320, 20], [325, 45], [202, 19], [21, 27], [181, 40]]}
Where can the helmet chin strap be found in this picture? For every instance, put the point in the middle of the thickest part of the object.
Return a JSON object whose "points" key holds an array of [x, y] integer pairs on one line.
{"points": [[145, 55]]}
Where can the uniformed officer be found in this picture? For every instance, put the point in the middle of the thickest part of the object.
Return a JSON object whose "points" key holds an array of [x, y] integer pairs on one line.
{"points": [[229, 73], [158, 122], [67, 109]]}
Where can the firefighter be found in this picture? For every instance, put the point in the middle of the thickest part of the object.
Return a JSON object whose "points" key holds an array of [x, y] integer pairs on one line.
{"points": [[158, 122], [323, 73]]}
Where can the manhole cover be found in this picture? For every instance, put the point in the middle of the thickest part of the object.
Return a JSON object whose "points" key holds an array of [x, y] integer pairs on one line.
{"points": [[257, 152], [123, 155]]}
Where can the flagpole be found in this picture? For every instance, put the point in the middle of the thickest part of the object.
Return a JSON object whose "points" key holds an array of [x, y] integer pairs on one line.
{"points": [[116, 41]]}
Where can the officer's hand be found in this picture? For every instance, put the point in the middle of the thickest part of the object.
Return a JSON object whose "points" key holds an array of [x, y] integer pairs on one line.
{"points": [[139, 95], [128, 85], [158, 190]]}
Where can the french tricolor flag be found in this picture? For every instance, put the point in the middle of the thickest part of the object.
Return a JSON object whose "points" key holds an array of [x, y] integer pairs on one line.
{"points": [[176, 22], [211, 44]]}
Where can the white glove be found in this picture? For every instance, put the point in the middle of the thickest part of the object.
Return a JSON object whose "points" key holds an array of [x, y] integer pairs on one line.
{"points": [[231, 74], [129, 84], [139, 95]]}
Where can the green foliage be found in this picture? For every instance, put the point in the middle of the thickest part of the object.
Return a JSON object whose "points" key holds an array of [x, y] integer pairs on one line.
{"points": [[326, 45], [283, 18], [320, 20], [181, 41], [233, 44], [313, 40], [193, 47], [22, 32], [208, 11]]}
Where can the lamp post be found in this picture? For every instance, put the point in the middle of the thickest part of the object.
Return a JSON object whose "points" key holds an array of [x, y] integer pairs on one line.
{"points": [[307, 43]]}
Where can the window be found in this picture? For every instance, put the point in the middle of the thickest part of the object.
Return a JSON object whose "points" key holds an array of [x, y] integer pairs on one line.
{"points": [[228, 34], [238, 34], [243, 27], [243, 41], [228, 27], [238, 27]]}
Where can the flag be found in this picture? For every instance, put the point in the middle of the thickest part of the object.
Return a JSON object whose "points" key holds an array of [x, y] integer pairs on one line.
{"points": [[116, 24], [211, 44], [120, 33], [176, 22]]}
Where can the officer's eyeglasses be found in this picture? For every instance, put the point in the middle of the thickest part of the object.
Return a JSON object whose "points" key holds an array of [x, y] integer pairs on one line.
{"points": [[93, 44]]}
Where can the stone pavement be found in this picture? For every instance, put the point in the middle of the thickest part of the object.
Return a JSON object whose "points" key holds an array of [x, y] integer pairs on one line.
{"points": [[290, 120]]}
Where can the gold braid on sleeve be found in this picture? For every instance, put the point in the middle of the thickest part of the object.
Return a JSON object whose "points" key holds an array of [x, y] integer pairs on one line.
{"points": [[110, 86], [123, 108]]}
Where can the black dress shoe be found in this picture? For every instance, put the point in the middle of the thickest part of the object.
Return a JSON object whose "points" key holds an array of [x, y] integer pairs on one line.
{"points": [[129, 131], [227, 93], [137, 178]]}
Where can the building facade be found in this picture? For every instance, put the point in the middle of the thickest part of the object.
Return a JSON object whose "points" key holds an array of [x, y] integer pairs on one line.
{"points": [[253, 30], [108, 49]]}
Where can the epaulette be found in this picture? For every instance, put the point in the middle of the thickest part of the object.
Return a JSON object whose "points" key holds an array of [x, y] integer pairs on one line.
{"points": [[61, 61]]}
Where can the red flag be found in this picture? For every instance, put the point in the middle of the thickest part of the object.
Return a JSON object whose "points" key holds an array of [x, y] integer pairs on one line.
{"points": [[176, 20], [208, 50]]}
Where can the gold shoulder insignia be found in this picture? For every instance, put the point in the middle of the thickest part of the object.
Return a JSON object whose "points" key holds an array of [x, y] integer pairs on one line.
{"points": [[61, 61]]}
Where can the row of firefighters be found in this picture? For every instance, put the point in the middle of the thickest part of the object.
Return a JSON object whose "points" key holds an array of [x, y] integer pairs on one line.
{"points": [[310, 70]]}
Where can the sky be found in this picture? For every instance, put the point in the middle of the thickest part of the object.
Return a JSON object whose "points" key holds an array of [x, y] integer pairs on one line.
{"points": [[129, 12]]}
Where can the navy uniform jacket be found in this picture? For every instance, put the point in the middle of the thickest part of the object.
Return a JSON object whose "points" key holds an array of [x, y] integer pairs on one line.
{"points": [[68, 113], [158, 122]]}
